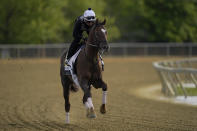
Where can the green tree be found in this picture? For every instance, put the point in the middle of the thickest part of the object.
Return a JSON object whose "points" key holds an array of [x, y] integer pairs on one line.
{"points": [[171, 20], [127, 14], [155, 20], [73, 9], [32, 21], [52, 21]]}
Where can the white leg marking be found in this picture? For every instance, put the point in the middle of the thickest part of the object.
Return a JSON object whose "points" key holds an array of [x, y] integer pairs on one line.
{"points": [[87, 106], [67, 117], [104, 99], [90, 102]]}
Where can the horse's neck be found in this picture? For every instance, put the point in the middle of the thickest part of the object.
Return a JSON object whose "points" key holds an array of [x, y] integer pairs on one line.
{"points": [[91, 52]]}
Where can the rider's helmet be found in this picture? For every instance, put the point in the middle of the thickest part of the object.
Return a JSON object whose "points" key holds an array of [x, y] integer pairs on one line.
{"points": [[89, 15]]}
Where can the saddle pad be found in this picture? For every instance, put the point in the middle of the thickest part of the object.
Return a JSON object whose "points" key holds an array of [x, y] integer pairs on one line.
{"points": [[71, 63]]}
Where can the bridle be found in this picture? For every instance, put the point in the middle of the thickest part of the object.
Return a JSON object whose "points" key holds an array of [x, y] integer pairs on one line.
{"points": [[96, 42]]}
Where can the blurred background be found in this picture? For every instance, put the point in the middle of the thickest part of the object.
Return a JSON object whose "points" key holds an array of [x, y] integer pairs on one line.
{"points": [[138, 27], [150, 30]]}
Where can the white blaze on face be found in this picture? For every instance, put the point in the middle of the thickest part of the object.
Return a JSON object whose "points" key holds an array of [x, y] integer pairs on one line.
{"points": [[103, 30]]}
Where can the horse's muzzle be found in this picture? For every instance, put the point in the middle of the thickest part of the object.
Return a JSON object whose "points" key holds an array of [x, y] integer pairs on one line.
{"points": [[104, 47]]}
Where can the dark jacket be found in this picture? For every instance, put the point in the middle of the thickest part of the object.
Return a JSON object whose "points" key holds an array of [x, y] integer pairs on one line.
{"points": [[79, 27]]}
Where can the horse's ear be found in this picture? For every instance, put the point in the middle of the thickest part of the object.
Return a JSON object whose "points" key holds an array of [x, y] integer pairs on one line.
{"points": [[103, 23], [97, 21]]}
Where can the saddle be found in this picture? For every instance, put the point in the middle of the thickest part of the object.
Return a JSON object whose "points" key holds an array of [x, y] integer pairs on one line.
{"points": [[70, 66]]}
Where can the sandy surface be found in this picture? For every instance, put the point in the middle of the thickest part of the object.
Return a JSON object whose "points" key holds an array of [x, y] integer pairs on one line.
{"points": [[31, 98], [153, 92]]}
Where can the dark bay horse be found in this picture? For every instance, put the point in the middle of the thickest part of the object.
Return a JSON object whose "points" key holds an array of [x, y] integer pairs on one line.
{"points": [[88, 70]]}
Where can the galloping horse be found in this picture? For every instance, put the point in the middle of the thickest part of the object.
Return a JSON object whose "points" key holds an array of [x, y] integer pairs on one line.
{"points": [[88, 70]]}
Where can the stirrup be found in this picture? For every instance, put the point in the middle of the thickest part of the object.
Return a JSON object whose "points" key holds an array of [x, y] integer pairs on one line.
{"points": [[67, 72], [66, 61], [67, 67]]}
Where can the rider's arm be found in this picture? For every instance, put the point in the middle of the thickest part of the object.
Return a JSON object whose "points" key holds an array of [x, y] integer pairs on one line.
{"points": [[77, 32]]}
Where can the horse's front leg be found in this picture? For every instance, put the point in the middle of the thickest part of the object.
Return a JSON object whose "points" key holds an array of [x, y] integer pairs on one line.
{"points": [[101, 84], [87, 99]]}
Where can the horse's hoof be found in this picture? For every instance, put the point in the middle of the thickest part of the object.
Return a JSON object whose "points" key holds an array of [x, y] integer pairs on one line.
{"points": [[91, 113], [103, 109], [67, 122]]}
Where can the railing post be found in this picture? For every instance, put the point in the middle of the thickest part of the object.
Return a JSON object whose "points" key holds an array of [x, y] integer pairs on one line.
{"points": [[124, 51], [168, 50], [174, 75], [145, 50], [18, 53], [190, 50]]}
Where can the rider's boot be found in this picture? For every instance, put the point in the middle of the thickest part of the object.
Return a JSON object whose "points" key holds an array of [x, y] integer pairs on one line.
{"points": [[67, 67]]}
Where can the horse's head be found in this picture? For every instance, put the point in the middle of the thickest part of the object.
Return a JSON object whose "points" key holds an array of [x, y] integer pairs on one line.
{"points": [[98, 36]]}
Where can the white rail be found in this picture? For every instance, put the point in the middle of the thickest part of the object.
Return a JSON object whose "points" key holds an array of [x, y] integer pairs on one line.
{"points": [[177, 75]]}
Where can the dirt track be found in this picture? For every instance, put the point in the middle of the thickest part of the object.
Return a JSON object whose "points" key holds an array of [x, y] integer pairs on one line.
{"points": [[31, 99]]}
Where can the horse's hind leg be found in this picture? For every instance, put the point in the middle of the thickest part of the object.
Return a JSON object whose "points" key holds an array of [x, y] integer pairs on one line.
{"points": [[65, 84]]}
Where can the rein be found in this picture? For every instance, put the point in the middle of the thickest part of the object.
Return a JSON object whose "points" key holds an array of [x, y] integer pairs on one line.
{"points": [[96, 44], [93, 45]]}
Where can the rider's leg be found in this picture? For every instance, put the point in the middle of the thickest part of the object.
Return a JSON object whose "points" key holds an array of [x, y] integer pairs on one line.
{"points": [[73, 48]]}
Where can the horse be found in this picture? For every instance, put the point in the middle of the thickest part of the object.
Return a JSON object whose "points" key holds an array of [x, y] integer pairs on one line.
{"points": [[88, 69]]}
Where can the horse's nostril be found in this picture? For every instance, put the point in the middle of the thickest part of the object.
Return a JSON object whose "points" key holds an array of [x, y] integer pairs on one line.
{"points": [[106, 47]]}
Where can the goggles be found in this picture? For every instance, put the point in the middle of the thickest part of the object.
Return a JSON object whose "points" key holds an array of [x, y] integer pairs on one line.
{"points": [[90, 18]]}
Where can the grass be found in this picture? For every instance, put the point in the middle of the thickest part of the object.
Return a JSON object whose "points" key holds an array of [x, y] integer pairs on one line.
{"points": [[190, 91]]}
